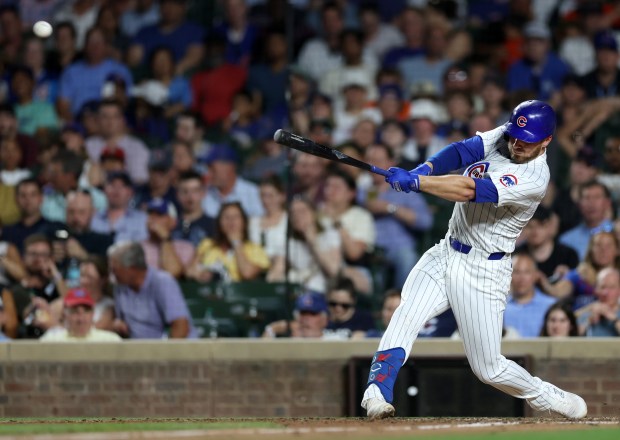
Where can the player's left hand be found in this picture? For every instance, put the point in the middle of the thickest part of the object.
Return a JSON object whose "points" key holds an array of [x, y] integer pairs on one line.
{"points": [[403, 180]]}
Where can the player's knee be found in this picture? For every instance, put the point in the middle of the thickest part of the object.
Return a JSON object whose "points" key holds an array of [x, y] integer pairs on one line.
{"points": [[487, 375]]}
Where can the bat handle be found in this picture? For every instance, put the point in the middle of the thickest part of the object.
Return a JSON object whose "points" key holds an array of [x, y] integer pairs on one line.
{"points": [[381, 171]]}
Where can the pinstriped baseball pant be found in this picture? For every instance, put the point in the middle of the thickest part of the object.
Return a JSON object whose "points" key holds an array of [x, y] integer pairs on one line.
{"points": [[476, 289]]}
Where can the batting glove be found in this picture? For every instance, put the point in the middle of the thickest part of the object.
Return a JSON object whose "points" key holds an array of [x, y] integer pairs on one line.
{"points": [[422, 170], [403, 180]]}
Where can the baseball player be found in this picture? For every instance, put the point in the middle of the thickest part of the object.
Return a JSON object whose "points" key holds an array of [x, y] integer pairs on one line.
{"points": [[505, 178]]}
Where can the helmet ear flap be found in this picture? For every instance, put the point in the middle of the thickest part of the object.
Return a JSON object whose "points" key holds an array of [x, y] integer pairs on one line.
{"points": [[531, 121]]}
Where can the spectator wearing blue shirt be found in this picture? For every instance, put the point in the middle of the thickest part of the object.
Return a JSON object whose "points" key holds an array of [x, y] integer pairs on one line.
{"points": [[145, 13], [179, 96], [596, 208], [431, 65], [401, 219], [120, 218], [83, 80], [526, 306], [269, 79], [184, 39], [239, 33], [147, 301], [226, 186], [540, 70], [412, 25]]}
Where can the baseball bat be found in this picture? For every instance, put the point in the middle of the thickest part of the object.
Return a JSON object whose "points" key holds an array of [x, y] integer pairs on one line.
{"points": [[300, 143]]}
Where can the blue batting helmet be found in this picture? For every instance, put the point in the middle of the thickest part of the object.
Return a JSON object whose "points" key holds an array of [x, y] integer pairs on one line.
{"points": [[531, 121]]}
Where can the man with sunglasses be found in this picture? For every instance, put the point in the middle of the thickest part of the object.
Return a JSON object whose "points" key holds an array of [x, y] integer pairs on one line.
{"points": [[345, 319], [469, 271]]}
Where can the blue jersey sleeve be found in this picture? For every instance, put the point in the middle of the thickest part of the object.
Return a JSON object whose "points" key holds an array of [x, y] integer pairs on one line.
{"points": [[457, 155], [486, 192]]}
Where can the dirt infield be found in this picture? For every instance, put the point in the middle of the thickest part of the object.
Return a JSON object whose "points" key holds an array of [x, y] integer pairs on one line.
{"points": [[298, 428]]}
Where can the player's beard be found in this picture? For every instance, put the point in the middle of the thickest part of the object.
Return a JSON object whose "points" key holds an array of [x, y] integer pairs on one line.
{"points": [[518, 154]]}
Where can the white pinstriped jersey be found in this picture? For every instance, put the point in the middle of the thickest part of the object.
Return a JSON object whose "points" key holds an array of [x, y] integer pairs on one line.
{"points": [[495, 227]]}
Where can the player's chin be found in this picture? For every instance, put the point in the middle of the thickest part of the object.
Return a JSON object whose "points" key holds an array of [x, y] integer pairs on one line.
{"points": [[518, 158]]}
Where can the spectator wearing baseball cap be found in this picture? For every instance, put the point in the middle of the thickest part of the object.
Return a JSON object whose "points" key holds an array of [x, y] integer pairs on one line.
{"points": [[310, 318], [604, 80], [120, 218], [78, 318], [540, 69], [159, 184], [160, 249], [225, 185], [112, 160]]}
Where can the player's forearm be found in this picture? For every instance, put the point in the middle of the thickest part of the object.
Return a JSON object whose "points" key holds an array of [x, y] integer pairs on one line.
{"points": [[451, 187]]}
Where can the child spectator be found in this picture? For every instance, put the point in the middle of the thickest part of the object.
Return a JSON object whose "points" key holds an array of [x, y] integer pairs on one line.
{"points": [[560, 321], [345, 319]]}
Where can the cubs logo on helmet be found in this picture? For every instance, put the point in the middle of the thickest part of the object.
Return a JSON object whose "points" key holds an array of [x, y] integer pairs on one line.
{"points": [[521, 121], [508, 180]]}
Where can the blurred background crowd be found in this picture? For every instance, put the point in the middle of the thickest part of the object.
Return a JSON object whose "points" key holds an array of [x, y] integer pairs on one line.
{"points": [[142, 194]]}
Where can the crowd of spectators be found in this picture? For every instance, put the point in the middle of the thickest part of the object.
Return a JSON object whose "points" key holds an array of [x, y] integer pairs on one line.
{"points": [[137, 154]]}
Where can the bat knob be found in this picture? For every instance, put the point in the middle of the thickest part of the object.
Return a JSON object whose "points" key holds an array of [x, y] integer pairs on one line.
{"points": [[277, 136]]}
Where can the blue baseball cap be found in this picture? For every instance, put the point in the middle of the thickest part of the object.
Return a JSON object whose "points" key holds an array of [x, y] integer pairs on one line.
{"points": [[161, 206], [391, 89], [605, 40], [223, 153], [311, 301]]}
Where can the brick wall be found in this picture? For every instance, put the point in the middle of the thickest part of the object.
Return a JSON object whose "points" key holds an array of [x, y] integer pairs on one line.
{"points": [[239, 378]]}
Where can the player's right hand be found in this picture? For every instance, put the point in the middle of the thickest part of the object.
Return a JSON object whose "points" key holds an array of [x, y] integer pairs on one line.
{"points": [[403, 180]]}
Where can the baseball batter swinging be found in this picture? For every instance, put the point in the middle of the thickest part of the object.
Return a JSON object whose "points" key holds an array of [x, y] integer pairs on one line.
{"points": [[469, 270]]}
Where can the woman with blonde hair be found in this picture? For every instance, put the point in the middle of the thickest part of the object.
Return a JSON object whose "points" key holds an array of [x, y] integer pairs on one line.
{"points": [[578, 284]]}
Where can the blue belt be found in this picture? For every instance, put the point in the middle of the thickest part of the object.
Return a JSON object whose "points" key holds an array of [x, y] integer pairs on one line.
{"points": [[466, 249]]}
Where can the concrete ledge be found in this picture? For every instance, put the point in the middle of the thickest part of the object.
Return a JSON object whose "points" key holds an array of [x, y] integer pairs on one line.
{"points": [[287, 349]]}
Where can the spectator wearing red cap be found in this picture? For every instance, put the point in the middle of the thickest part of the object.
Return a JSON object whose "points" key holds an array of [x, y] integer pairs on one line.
{"points": [[112, 159], [78, 318]]}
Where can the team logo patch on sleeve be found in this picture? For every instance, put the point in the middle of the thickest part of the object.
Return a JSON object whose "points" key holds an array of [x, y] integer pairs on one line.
{"points": [[508, 180], [477, 170]]}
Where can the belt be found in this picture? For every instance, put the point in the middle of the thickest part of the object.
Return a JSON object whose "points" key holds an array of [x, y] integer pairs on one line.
{"points": [[466, 249]]}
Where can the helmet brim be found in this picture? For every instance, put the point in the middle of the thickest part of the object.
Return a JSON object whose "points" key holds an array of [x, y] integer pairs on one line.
{"points": [[514, 131]]}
